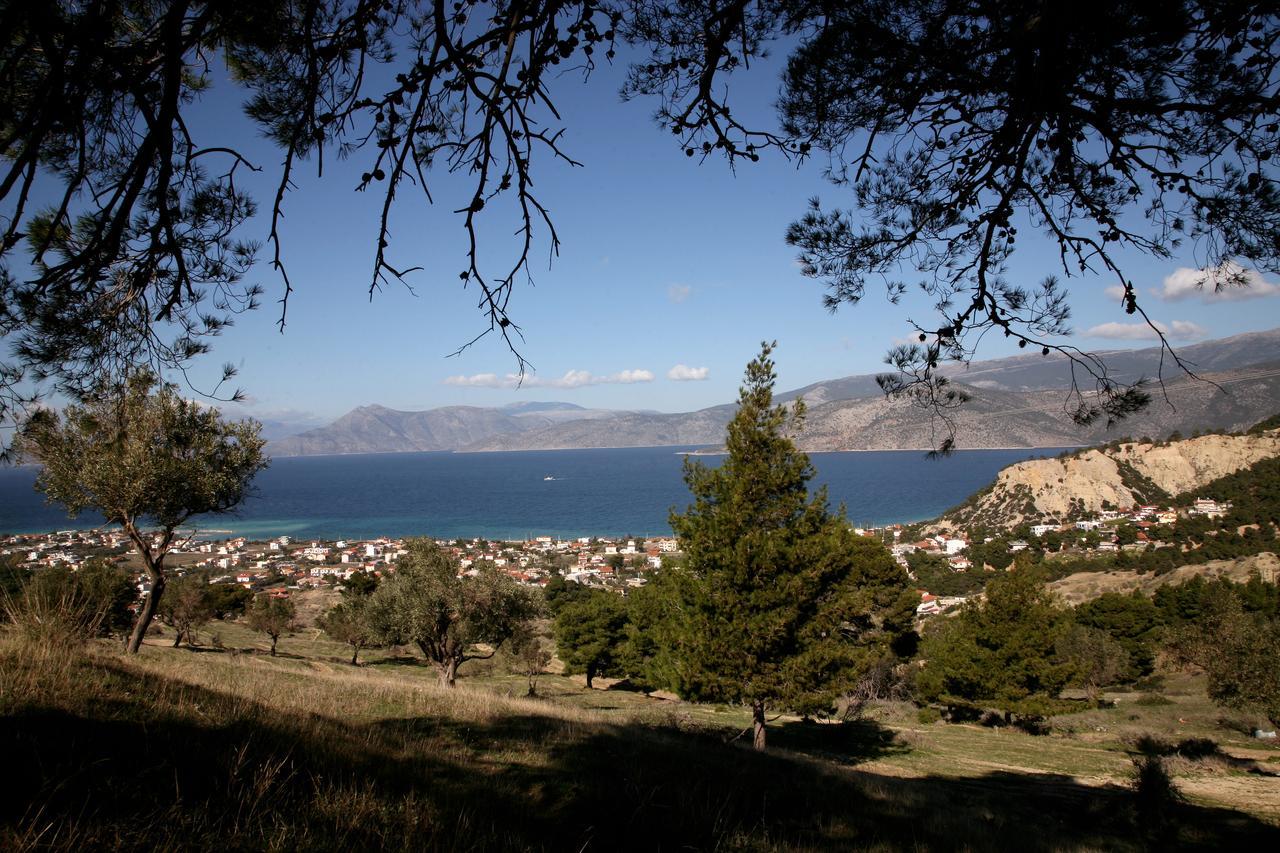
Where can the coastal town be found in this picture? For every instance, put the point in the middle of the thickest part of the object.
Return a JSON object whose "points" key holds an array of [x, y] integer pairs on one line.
{"points": [[284, 563]]}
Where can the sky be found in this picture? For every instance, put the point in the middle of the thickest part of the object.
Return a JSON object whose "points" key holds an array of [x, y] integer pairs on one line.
{"points": [[671, 272]]}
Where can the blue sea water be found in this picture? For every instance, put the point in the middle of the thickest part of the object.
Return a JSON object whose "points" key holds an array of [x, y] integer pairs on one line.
{"points": [[508, 496]]}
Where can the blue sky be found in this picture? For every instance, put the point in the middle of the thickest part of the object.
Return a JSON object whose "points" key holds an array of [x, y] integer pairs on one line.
{"points": [[665, 262]]}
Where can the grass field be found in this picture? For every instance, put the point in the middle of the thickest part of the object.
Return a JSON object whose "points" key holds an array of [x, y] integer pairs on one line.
{"points": [[227, 748]]}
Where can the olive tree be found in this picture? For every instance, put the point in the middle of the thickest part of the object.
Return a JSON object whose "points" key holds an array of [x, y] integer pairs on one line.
{"points": [[147, 460], [346, 623], [273, 615], [452, 618], [186, 607]]}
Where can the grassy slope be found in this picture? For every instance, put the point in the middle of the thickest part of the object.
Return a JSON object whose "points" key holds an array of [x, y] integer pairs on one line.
{"points": [[206, 749]]}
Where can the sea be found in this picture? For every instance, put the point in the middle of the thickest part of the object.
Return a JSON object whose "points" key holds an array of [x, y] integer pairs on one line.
{"points": [[520, 494]]}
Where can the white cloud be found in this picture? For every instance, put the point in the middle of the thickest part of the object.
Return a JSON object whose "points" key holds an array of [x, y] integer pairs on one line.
{"points": [[1178, 330], [678, 293], [684, 373], [571, 379], [1115, 292], [483, 380], [1228, 281]]}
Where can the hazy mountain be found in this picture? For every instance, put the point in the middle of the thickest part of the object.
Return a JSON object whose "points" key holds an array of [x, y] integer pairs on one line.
{"points": [[377, 429], [993, 418], [1038, 373], [626, 429], [1018, 402]]}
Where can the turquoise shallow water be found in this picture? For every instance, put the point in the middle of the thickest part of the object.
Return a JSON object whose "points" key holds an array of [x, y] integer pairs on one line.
{"points": [[507, 495]]}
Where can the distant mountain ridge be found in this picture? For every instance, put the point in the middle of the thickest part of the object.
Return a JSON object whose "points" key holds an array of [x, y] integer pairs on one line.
{"points": [[1017, 402]]}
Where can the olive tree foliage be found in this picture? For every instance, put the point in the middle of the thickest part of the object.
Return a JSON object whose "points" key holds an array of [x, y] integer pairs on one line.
{"points": [[1238, 650], [147, 460], [528, 655], [59, 605], [451, 618], [1115, 129], [780, 605], [345, 622]]}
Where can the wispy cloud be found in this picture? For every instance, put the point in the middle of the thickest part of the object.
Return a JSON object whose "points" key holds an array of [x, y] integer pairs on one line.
{"points": [[1226, 282], [1179, 330], [678, 293], [1115, 292], [684, 373], [571, 379]]}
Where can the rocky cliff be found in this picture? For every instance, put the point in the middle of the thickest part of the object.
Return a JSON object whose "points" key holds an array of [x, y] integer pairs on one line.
{"points": [[1112, 477]]}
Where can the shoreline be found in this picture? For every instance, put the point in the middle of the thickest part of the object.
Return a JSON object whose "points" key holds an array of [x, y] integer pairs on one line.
{"points": [[702, 450]]}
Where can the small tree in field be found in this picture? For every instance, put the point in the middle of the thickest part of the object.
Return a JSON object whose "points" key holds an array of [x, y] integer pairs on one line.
{"points": [[272, 615], [143, 457], [450, 618], [780, 604], [590, 633], [346, 623], [529, 656], [186, 607]]}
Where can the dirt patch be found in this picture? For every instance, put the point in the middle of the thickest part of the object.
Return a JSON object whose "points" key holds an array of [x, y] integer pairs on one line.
{"points": [[312, 603]]}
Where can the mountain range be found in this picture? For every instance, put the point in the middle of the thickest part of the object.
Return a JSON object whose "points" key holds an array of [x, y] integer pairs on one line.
{"points": [[1016, 402]]}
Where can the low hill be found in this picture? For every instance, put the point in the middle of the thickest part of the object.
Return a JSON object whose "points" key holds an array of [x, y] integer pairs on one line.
{"points": [[1083, 586], [1112, 477]]}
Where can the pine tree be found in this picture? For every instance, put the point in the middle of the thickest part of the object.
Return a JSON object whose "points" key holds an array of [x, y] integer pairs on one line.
{"points": [[1002, 653], [780, 605]]}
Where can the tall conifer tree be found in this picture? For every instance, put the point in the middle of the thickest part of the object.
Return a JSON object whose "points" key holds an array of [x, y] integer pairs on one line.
{"points": [[780, 605]]}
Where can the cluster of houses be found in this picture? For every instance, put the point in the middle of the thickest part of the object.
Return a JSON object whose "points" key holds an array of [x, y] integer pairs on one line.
{"points": [[1144, 518], [591, 561], [64, 547], [257, 564]]}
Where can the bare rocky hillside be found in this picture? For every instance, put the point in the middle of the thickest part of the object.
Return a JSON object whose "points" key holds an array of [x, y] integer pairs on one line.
{"points": [[1135, 473]]}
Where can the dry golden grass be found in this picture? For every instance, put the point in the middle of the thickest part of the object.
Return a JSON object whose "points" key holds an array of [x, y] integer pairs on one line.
{"points": [[205, 749]]}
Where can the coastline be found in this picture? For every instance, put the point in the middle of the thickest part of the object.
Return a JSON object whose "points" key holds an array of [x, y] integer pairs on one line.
{"points": [[699, 451]]}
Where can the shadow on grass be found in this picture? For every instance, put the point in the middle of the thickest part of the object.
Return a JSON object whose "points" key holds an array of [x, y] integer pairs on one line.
{"points": [[148, 762]]}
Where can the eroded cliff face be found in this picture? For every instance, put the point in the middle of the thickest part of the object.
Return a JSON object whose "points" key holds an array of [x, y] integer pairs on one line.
{"points": [[1085, 483], [1186, 465]]}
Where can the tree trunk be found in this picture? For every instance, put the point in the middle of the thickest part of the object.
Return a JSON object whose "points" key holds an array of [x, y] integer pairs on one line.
{"points": [[274, 639], [757, 723], [355, 652], [448, 673], [591, 674], [148, 609], [177, 641]]}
